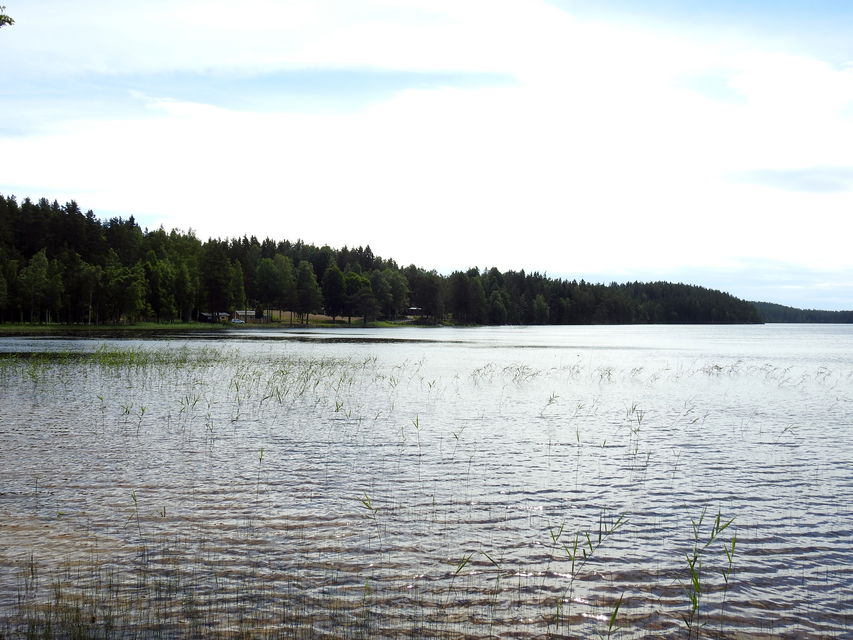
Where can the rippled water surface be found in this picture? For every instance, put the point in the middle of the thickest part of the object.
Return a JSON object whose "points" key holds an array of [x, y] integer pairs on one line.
{"points": [[504, 482]]}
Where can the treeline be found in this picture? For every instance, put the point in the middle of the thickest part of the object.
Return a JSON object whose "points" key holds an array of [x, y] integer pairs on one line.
{"points": [[59, 264], [771, 312]]}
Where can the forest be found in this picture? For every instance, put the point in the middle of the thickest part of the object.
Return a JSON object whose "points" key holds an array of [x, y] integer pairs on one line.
{"points": [[59, 264], [771, 312]]}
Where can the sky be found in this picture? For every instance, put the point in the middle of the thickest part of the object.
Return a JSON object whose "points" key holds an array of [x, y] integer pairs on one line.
{"points": [[706, 142]]}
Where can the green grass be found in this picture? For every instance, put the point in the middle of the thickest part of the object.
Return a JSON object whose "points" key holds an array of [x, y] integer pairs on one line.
{"points": [[65, 329], [320, 322]]}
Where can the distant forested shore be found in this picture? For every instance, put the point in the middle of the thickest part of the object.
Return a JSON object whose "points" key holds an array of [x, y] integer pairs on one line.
{"points": [[771, 312], [59, 264]]}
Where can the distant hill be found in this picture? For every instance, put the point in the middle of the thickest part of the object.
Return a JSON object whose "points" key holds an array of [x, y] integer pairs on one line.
{"points": [[771, 312]]}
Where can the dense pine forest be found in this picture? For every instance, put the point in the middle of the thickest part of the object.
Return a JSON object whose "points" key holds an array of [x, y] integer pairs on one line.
{"points": [[59, 264], [771, 312]]}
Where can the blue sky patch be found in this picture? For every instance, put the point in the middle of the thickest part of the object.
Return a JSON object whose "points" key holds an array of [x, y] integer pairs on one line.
{"points": [[810, 180], [34, 103], [337, 89], [712, 84]]}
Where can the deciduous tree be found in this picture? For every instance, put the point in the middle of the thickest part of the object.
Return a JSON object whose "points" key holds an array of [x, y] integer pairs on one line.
{"points": [[4, 296], [238, 289], [334, 291], [309, 299], [34, 280]]}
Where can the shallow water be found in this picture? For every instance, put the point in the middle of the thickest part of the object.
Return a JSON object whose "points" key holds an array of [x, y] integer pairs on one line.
{"points": [[433, 482]]}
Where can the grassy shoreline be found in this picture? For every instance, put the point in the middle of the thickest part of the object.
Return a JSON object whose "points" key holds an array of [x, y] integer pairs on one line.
{"points": [[19, 329]]}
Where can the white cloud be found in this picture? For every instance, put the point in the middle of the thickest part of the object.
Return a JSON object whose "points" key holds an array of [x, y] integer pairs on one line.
{"points": [[600, 159], [477, 35]]}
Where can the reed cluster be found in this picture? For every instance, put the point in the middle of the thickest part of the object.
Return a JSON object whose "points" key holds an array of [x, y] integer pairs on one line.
{"points": [[216, 493]]}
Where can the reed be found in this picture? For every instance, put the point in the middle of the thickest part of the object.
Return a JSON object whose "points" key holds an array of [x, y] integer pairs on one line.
{"points": [[328, 440], [579, 549], [694, 587]]}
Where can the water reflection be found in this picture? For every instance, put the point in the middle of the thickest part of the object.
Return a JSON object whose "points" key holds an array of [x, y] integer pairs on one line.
{"points": [[466, 483]]}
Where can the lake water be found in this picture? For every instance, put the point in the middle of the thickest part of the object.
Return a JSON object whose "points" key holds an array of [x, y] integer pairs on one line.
{"points": [[512, 482]]}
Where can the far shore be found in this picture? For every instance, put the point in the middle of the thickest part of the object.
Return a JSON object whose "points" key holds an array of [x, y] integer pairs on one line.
{"points": [[314, 321]]}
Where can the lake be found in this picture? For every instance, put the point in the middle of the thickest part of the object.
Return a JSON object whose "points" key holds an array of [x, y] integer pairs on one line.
{"points": [[642, 481]]}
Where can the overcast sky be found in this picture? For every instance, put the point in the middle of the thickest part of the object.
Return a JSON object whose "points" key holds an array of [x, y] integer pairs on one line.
{"points": [[703, 142]]}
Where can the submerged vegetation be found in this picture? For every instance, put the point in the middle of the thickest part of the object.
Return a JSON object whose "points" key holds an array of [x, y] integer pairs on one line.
{"points": [[302, 492], [59, 264]]}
